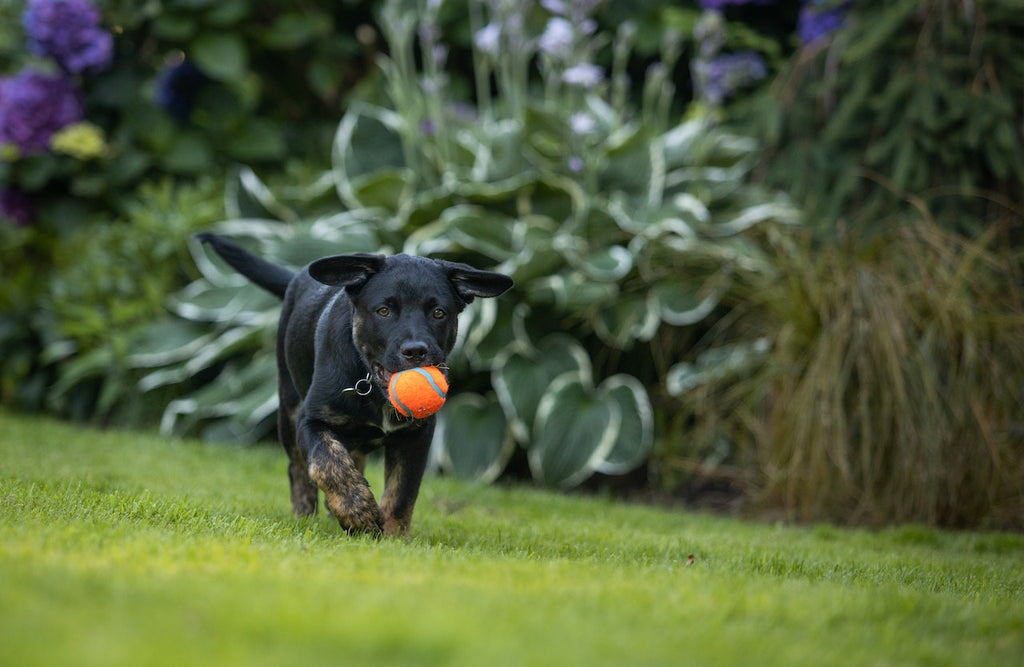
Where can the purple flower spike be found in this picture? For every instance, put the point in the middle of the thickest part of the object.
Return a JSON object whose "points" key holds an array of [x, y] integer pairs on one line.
{"points": [[33, 106], [68, 31], [815, 23], [728, 73]]}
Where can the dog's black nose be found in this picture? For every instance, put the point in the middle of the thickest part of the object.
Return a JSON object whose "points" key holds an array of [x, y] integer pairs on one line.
{"points": [[415, 351]]}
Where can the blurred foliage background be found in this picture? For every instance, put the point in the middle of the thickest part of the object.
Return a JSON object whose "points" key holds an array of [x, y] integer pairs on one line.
{"points": [[767, 255]]}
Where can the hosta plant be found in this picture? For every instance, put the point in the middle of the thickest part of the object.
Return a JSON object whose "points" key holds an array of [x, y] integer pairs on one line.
{"points": [[619, 227]]}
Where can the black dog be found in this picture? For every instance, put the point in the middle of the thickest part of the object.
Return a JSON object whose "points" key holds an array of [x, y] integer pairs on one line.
{"points": [[348, 323]]}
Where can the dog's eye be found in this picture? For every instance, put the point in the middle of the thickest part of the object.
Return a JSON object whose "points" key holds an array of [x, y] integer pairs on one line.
{"points": [[384, 311], [439, 314]]}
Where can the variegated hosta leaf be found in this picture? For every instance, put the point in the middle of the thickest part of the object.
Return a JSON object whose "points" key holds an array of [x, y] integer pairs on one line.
{"points": [[246, 304], [522, 374], [572, 291], [473, 440], [607, 264], [681, 303], [625, 321], [246, 394], [575, 429], [475, 323], [635, 438], [778, 211], [715, 365], [168, 341], [247, 196], [368, 159], [486, 232]]}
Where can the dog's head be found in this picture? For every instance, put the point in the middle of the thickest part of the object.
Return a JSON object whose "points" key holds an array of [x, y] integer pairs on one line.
{"points": [[405, 308]]}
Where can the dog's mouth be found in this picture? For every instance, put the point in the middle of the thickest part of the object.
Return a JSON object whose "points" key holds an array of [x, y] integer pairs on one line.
{"points": [[382, 376]]}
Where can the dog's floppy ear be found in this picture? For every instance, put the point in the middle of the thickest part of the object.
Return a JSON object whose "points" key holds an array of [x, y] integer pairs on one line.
{"points": [[350, 271], [471, 283]]}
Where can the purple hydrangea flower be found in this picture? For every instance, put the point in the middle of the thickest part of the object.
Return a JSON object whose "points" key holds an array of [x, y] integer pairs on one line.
{"points": [[816, 22], [177, 86], [69, 32], [726, 74], [33, 106], [16, 207]]}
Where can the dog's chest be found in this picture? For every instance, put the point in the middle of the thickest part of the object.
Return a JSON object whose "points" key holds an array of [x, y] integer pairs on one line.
{"points": [[361, 431]]}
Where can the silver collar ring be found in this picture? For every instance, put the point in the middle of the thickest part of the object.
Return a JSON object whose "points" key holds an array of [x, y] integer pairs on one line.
{"points": [[363, 387]]}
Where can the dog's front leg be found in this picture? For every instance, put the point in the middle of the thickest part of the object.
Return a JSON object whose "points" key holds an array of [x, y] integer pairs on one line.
{"points": [[347, 492], [404, 463]]}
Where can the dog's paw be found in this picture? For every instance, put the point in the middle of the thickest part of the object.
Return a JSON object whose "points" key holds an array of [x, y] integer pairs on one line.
{"points": [[371, 522], [357, 512]]}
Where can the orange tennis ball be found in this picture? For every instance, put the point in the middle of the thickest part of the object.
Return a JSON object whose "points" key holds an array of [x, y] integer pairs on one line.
{"points": [[418, 392]]}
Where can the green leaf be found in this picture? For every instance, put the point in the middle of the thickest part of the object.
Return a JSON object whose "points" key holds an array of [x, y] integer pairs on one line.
{"points": [[884, 24], [635, 439], [630, 318], [227, 12], [681, 303], [493, 235], [257, 140], [572, 291], [385, 188], [715, 365], [537, 256], [174, 27], [521, 376], [368, 140], [295, 29], [472, 439], [632, 169], [678, 142], [221, 55], [610, 263], [247, 304], [166, 341], [780, 211], [188, 154], [247, 196], [574, 431]]}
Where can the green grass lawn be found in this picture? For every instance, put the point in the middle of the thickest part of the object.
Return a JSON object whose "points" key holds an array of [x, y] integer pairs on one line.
{"points": [[129, 549]]}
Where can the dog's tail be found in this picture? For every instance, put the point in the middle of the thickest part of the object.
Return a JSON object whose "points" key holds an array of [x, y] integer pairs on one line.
{"points": [[267, 275]]}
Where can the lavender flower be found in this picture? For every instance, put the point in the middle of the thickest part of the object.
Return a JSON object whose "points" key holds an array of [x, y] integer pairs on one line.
{"points": [[582, 123], [727, 74], [584, 75], [16, 207], [33, 106], [488, 39], [177, 87], [69, 32], [816, 22], [557, 39]]}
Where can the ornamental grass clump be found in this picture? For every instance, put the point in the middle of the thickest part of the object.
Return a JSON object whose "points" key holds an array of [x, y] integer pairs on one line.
{"points": [[890, 391]]}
